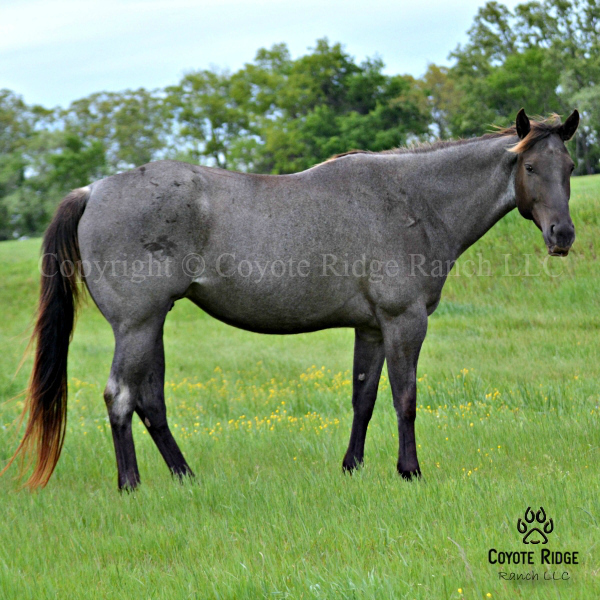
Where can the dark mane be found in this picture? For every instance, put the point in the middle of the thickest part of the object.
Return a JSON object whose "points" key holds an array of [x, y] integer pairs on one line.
{"points": [[539, 130]]}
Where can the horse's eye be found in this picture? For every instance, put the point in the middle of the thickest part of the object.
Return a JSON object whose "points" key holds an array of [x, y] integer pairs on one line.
{"points": [[529, 168]]}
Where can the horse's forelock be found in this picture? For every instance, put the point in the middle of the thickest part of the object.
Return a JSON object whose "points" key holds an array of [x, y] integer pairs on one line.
{"points": [[540, 130]]}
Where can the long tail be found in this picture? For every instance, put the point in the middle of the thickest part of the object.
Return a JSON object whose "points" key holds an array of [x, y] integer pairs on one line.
{"points": [[46, 399]]}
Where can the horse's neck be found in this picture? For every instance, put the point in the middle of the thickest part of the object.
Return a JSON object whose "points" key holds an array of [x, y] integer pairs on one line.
{"points": [[474, 185], [484, 205]]}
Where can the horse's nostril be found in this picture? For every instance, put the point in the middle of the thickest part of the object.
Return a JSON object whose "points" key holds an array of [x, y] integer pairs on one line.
{"points": [[552, 227]]}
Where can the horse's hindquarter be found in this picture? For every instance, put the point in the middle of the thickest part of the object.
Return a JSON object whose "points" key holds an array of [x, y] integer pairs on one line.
{"points": [[134, 234]]}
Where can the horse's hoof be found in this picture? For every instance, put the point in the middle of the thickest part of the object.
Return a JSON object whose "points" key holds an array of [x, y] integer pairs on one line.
{"points": [[183, 474], [128, 487], [410, 475], [350, 464]]}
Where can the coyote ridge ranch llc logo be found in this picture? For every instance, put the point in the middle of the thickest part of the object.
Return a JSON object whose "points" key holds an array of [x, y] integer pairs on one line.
{"points": [[534, 527], [530, 519]]}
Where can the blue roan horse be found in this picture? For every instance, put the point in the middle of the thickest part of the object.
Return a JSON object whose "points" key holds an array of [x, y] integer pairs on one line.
{"points": [[198, 228]]}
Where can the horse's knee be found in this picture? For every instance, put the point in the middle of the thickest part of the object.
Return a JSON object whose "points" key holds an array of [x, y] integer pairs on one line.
{"points": [[409, 414], [406, 407]]}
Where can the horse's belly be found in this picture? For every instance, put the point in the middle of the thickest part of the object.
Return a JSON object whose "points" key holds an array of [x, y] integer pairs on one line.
{"points": [[283, 308]]}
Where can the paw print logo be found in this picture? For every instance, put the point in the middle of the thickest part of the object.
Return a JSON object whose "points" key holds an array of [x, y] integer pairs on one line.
{"points": [[535, 535]]}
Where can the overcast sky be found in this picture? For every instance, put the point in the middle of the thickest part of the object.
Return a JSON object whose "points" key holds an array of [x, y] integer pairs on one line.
{"points": [[55, 51]]}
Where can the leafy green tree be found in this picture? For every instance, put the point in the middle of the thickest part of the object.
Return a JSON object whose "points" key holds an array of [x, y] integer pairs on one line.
{"points": [[329, 104], [132, 126], [16, 124], [443, 99], [77, 164], [278, 115], [544, 56], [20, 128], [209, 108]]}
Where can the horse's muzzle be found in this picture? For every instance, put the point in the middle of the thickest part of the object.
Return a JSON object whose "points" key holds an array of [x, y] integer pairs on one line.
{"points": [[560, 238]]}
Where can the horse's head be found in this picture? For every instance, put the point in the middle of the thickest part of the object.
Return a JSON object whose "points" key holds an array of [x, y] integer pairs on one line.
{"points": [[542, 182]]}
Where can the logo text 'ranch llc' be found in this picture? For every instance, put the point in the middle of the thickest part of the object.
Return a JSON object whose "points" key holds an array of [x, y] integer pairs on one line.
{"points": [[535, 529]]}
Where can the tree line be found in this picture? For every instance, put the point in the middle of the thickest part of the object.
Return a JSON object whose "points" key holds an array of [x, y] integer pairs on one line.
{"points": [[279, 115]]}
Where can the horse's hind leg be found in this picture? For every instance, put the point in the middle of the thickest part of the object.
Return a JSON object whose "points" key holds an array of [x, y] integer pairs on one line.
{"points": [[369, 355], [130, 366], [152, 411], [136, 384]]}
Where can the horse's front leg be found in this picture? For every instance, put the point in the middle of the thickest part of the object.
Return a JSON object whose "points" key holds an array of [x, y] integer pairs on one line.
{"points": [[403, 337], [368, 362]]}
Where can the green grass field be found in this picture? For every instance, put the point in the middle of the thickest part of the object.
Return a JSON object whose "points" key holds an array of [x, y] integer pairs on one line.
{"points": [[509, 387]]}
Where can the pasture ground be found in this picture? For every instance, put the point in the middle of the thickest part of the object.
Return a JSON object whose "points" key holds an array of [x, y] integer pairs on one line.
{"points": [[509, 387]]}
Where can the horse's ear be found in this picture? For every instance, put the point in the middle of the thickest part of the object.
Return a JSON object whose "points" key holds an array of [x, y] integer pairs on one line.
{"points": [[523, 125], [569, 127]]}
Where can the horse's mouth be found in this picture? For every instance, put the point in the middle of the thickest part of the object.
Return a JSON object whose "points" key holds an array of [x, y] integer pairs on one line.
{"points": [[558, 251]]}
